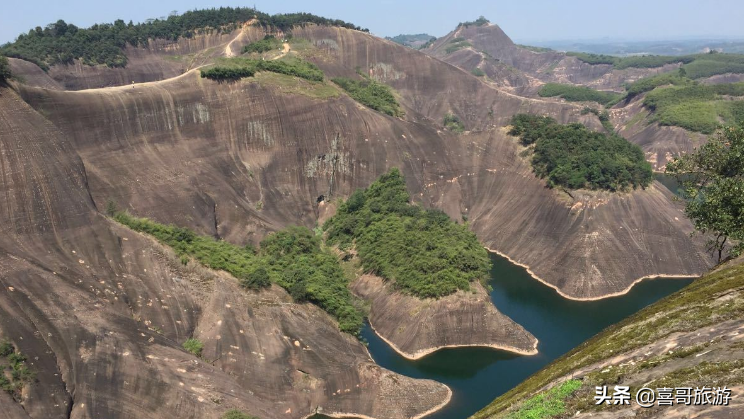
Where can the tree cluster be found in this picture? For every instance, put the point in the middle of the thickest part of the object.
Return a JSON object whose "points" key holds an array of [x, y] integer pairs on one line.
{"points": [[574, 157], [62, 43], [712, 178], [236, 68], [421, 251]]}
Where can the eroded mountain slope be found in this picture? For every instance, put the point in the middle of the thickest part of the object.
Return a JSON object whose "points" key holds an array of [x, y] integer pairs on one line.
{"points": [[100, 312]]}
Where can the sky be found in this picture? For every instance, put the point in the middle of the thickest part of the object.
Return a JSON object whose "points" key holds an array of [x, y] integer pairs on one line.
{"points": [[522, 20]]}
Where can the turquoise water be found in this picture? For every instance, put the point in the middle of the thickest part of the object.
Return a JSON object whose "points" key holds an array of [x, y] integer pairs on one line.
{"points": [[478, 375]]}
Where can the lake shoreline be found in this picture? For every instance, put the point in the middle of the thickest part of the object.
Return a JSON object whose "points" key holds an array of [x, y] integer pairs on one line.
{"points": [[421, 354], [614, 294]]}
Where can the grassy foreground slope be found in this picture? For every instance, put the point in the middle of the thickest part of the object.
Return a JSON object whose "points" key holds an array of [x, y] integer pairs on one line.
{"points": [[687, 339]]}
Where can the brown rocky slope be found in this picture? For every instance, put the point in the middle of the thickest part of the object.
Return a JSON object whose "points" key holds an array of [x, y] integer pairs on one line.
{"points": [[100, 312], [243, 159]]}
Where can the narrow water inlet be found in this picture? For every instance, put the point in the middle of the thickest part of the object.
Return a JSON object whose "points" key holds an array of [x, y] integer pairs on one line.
{"points": [[479, 375]]}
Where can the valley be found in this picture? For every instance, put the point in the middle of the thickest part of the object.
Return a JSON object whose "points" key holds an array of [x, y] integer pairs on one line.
{"points": [[282, 216]]}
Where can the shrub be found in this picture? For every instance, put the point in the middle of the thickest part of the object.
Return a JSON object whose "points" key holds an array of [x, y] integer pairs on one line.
{"points": [[481, 21], [194, 346], [265, 45], [370, 93], [257, 279], [422, 252], [236, 68], [6, 348], [4, 69], [574, 157], [573, 93], [456, 46], [453, 123], [477, 72]]}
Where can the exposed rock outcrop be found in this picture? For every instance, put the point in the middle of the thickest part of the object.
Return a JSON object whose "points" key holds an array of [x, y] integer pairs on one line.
{"points": [[101, 312], [416, 327]]}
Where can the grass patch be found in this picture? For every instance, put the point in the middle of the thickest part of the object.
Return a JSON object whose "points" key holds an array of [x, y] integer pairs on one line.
{"points": [[573, 93], [574, 157], [423, 252], [295, 85], [293, 258], [372, 94], [547, 405], [648, 84]]}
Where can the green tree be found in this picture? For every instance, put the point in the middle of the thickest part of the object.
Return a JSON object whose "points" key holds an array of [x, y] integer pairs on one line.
{"points": [[4, 69], [256, 279], [713, 187]]}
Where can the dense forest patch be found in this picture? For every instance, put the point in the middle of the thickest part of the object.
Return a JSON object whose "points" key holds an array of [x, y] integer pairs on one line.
{"points": [[371, 93], [421, 251], [574, 93], [62, 43], [239, 67], [292, 258], [575, 157]]}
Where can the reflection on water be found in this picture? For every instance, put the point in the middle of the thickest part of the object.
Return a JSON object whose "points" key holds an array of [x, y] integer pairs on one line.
{"points": [[479, 375]]}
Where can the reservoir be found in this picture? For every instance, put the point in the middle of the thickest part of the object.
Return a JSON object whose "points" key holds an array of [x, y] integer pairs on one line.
{"points": [[479, 375]]}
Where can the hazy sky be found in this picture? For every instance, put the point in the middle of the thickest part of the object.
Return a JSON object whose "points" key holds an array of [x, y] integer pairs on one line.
{"points": [[523, 20]]}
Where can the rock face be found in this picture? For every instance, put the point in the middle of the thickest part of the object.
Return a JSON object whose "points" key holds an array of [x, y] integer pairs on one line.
{"points": [[523, 71], [101, 313], [244, 159], [415, 327]]}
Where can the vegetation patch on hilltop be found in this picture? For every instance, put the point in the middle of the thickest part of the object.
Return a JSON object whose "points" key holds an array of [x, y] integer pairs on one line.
{"points": [[421, 251], [573, 93], [575, 157], [371, 93], [481, 21], [62, 43], [293, 258], [231, 69]]}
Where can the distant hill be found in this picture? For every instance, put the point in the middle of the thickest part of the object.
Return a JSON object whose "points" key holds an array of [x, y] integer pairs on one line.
{"points": [[416, 41]]}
